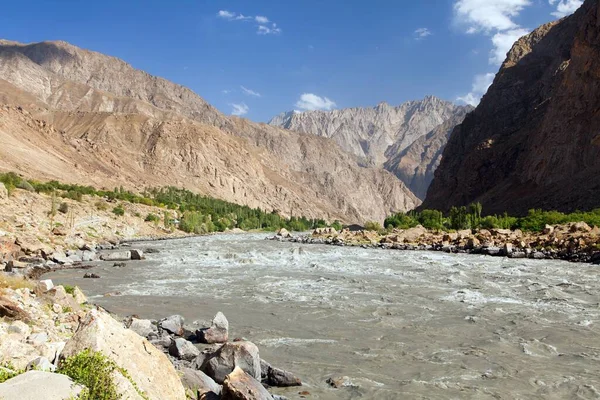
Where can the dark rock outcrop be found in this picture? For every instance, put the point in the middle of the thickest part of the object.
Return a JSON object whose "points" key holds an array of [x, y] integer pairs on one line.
{"points": [[533, 141]]}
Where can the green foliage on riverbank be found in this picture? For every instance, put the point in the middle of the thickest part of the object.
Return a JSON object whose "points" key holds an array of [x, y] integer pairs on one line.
{"points": [[200, 214], [471, 218], [95, 372]]}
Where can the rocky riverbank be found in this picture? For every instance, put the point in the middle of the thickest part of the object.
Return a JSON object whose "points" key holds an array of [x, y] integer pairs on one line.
{"points": [[575, 242], [43, 326]]}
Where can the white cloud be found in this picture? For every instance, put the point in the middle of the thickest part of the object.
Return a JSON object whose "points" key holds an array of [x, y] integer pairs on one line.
{"points": [[264, 27], [488, 15], [565, 7], [239, 109], [481, 84], [250, 92], [422, 33], [503, 42], [225, 14], [226, 91], [311, 102]]}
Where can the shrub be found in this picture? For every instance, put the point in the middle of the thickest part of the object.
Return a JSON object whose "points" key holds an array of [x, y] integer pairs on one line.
{"points": [[373, 226], [7, 371], [337, 225], [69, 289], [152, 218], [63, 208], [94, 371], [119, 210], [14, 282]]}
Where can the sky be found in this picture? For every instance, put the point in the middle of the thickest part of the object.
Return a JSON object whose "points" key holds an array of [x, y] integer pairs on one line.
{"points": [[258, 58]]}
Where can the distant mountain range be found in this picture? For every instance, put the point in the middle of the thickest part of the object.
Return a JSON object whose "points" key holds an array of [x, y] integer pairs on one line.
{"points": [[84, 117], [406, 140]]}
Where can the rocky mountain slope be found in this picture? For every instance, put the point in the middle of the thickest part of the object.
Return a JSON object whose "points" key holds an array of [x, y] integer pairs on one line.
{"points": [[533, 141], [81, 116], [380, 134]]}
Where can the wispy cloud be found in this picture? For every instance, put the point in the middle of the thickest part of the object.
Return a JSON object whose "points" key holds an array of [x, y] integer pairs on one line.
{"points": [[311, 102], [565, 7], [264, 27], [250, 92], [239, 109], [422, 33], [481, 84], [225, 91]]}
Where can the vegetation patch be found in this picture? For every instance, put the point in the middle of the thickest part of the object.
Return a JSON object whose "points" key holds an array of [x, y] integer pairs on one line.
{"points": [[14, 282], [94, 371], [7, 371]]}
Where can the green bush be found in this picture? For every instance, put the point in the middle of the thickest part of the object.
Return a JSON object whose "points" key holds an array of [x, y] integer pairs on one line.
{"points": [[94, 371], [69, 289], [119, 210], [152, 218], [373, 226], [8, 371], [63, 208]]}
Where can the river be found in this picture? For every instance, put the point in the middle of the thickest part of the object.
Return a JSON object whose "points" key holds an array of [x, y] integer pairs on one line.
{"points": [[400, 325]]}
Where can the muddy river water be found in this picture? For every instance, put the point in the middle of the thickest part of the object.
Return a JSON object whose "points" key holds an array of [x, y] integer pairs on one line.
{"points": [[400, 325]]}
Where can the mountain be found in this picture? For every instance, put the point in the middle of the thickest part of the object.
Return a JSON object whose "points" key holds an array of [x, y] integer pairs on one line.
{"points": [[378, 135], [84, 117], [533, 141]]}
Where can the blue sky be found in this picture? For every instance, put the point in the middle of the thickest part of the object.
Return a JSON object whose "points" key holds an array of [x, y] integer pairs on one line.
{"points": [[257, 58]]}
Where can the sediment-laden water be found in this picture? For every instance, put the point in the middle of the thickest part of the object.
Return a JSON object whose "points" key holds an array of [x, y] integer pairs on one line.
{"points": [[401, 325]]}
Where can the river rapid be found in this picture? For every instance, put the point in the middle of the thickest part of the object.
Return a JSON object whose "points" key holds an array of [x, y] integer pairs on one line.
{"points": [[400, 325]]}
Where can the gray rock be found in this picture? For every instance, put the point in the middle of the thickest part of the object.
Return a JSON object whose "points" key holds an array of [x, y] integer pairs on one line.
{"points": [[91, 275], [137, 254], [183, 349], [36, 385], [218, 331], [143, 327], [230, 355], [41, 364], [116, 256], [277, 377], [198, 383], [492, 251], [538, 255], [60, 258], [88, 255], [173, 324], [37, 339], [44, 286]]}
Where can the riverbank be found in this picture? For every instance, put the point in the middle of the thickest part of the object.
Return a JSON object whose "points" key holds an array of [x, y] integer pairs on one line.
{"points": [[574, 242]]}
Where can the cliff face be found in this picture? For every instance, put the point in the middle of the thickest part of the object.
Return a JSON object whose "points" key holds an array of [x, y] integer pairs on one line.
{"points": [[88, 117], [380, 136], [533, 141]]}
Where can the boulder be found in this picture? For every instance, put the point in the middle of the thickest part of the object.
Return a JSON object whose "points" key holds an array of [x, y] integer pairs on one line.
{"points": [[148, 368], [59, 231], [36, 385], [137, 254], [580, 227], [31, 245], [78, 296], [44, 286], [91, 275], [143, 327], [11, 310], [183, 349], [241, 354], [116, 256], [340, 382], [284, 233], [172, 324], [37, 339], [412, 234], [218, 331], [277, 377], [41, 364], [88, 256], [61, 258], [197, 384], [239, 385], [119, 265]]}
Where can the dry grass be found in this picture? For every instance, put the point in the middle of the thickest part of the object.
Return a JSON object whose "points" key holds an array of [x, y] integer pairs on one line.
{"points": [[14, 282]]}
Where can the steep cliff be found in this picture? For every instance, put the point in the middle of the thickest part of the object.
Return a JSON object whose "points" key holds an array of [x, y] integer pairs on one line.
{"points": [[533, 141], [85, 116]]}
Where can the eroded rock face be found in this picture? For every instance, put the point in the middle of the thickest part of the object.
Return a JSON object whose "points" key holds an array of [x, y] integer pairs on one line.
{"points": [[149, 368], [533, 140]]}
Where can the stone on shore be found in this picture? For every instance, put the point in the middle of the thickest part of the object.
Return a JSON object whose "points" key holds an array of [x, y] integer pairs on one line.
{"points": [[91, 275], [173, 324], [44, 286], [237, 354], [37, 385], [78, 296], [198, 384], [137, 254], [143, 327], [116, 256], [239, 385], [147, 367], [218, 331], [183, 349], [284, 233], [277, 377]]}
